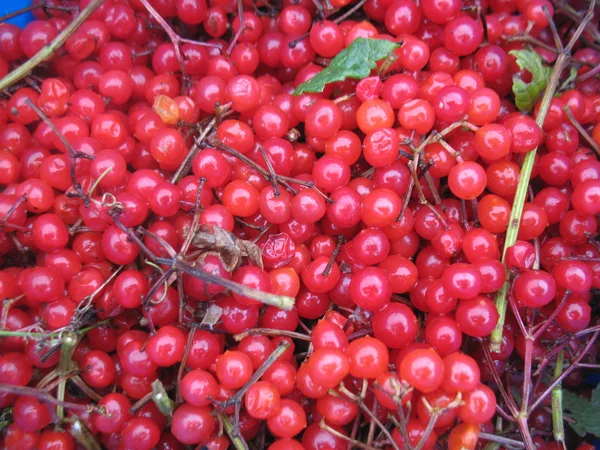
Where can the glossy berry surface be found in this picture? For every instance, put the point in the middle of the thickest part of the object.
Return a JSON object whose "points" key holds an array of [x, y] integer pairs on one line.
{"points": [[302, 224]]}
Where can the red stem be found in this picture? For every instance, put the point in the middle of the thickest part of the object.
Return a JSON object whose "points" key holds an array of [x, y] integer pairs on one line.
{"points": [[569, 369], [41, 394], [509, 402], [546, 323]]}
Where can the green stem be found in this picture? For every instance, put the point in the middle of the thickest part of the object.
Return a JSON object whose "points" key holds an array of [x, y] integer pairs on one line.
{"points": [[517, 208], [237, 441], [91, 327], [64, 366], [83, 436], [46, 52], [558, 425], [25, 334]]}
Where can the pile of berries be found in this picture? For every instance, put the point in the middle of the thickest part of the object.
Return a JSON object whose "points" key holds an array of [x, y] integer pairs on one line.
{"points": [[193, 255]]}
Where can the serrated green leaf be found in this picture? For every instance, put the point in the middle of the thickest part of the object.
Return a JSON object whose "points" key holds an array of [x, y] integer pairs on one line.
{"points": [[355, 61], [526, 94], [584, 411]]}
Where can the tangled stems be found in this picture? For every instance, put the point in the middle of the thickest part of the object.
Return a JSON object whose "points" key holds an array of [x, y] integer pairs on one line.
{"points": [[353, 442], [177, 264], [187, 162], [279, 301], [520, 415], [73, 155], [359, 400], [269, 175], [236, 399], [574, 364], [174, 37]]}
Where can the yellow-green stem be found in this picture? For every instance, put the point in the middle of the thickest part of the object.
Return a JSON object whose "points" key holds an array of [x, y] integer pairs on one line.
{"points": [[558, 425], [83, 436], [237, 441], [64, 366], [517, 208], [46, 52]]}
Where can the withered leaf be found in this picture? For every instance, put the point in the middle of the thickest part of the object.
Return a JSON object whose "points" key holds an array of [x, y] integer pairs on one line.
{"points": [[230, 249]]}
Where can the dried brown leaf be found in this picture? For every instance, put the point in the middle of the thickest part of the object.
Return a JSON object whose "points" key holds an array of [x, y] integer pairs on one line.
{"points": [[226, 246]]}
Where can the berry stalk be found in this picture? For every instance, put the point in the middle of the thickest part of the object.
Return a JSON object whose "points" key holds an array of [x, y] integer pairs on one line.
{"points": [[45, 396], [237, 441], [83, 436], [233, 430], [352, 443], [359, 400], [497, 440], [558, 425], [46, 52], [66, 354]]}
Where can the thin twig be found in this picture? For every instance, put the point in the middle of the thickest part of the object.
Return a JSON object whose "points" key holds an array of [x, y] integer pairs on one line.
{"points": [[185, 165], [501, 440], [241, 29], [351, 441], [271, 332], [174, 37], [41, 394], [18, 12], [537, 332], [351, 11], [581, 130]]}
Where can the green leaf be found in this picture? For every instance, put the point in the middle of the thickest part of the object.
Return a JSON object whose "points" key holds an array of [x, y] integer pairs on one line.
{"points": [[355, 61], [526, 94], [584, 411]]}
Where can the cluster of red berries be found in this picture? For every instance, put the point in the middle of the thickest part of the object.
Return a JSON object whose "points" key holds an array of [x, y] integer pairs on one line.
{"points": [[381, 206]]}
